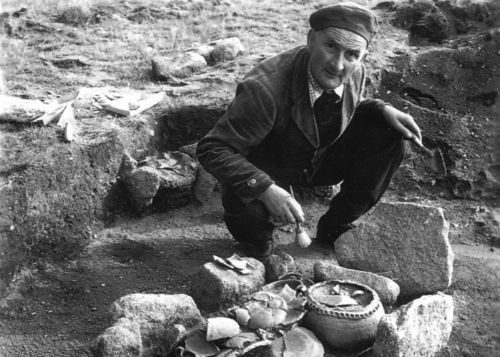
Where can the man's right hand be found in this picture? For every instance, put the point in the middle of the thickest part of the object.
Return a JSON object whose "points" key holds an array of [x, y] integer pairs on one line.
{"points": [[281, 205]]}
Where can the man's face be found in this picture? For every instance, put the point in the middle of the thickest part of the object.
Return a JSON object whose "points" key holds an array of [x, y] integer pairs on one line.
{"points": [[334, 55]]}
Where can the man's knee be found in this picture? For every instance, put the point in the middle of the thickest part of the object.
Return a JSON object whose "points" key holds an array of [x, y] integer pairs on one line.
{"points": [[246, 222]]}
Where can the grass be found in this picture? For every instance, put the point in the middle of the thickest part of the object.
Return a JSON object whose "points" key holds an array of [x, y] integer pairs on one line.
{"points": [[121, 44]]}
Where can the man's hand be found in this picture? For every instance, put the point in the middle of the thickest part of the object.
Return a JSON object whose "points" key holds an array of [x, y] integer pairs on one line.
{"points": [[281, 205], [402, 122]]}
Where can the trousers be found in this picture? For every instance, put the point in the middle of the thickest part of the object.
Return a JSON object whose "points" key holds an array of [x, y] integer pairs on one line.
{"points": [[364, 158]]}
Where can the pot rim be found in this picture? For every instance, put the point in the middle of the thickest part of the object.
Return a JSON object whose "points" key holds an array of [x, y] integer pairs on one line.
{"points": [[365, 312]]}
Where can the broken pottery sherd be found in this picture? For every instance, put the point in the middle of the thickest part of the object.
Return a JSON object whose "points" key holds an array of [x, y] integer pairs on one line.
{"points": [[266, 310], [291, 290], [221, 327], [298, 342], [241, 340], [199, 346], [242, 316]]}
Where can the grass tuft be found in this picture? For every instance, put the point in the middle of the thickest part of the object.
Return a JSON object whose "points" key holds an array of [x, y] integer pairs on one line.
{"points": [[76, 16]]}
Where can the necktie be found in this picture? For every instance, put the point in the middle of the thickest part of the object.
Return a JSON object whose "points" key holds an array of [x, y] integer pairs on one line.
{"points": [[328, 119]]}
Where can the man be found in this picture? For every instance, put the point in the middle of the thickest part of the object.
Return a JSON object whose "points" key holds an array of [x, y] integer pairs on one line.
{"points": [[299, 119]]}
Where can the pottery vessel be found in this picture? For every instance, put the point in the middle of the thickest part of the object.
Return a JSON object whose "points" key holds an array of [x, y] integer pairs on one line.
{"points": [[349, 327]]}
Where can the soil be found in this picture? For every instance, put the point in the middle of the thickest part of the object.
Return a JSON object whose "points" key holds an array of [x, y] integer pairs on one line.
{"points": [[56, 307]]}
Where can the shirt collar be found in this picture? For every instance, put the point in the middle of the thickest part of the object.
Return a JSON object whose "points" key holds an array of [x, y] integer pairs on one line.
{"points": [[315, 90]]}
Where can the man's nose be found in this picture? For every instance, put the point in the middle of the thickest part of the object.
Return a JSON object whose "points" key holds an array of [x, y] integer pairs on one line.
{"points": [[338, 61]]}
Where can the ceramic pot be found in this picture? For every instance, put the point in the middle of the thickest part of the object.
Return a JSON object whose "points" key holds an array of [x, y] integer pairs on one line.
{"points": [[348, 327]]}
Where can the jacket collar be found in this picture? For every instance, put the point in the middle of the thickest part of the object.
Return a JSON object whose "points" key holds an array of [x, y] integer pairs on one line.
{"points": [[301, 109]]}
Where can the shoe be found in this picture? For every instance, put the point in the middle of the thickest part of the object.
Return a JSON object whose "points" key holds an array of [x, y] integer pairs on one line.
{"points": [[259, 250], [326, 235]]}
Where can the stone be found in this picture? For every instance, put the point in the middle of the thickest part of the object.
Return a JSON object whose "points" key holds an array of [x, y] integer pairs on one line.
{"points": [[173, 335], [406, 240], [215, 287], [298, 342], [278, 265], [181, 65], [205, 51], [189, 149], [15, 109], [122, 339], [174, 173], [420, 328], [226, 49], [387, 289], [204, 186], [143, 182], [157, 315], [205, 183]]}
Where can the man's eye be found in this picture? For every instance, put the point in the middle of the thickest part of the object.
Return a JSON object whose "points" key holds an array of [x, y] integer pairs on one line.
{"points": [[351, 56]]}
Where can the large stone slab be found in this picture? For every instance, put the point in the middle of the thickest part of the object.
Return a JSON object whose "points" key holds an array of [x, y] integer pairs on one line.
{"points": [[386, 288], [418, 329], [215, 287], [406, 240]]}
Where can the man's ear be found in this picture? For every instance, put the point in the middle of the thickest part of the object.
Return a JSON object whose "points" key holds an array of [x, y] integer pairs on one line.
{"points": [[364, 55]]}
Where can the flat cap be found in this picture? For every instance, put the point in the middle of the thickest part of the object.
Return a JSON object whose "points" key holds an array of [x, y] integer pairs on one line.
{"points": [[348, 16]]}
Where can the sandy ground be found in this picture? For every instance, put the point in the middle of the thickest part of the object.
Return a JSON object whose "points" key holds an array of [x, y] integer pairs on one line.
{"points": [[62, 309]]}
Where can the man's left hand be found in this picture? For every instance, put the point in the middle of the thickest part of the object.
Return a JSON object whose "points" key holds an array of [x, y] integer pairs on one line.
{"points": [[402, 122]]}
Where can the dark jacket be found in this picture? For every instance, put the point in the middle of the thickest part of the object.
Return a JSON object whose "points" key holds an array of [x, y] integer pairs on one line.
{"points": [[268, 131]]}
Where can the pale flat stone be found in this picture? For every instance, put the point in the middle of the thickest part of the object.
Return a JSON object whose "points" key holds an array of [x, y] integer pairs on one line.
{"points": [[386, 288], [215, 287], [406, 240], [421, 328]]}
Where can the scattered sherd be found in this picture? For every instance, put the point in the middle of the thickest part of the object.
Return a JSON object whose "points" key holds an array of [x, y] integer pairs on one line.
{"points": [[121, 339], [298, 342], [157, 315], [386, 288], [181, 65], [215, 286], [406, 240], [420, 328], [134, 104]]}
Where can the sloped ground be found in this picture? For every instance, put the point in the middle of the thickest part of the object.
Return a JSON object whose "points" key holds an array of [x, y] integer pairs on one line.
{"points": [[57, 306]]}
